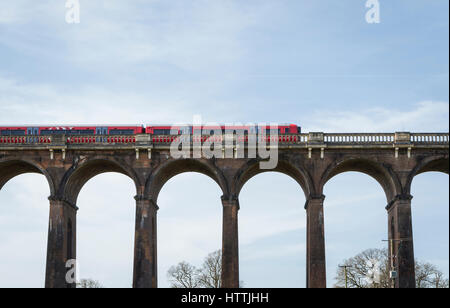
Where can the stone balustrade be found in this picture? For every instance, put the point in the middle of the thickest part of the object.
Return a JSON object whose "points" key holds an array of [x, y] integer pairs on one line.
{"points": [[321, 139]]}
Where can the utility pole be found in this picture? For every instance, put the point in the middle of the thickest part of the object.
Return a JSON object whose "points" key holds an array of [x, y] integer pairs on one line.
{"points": [[393, 272], [345, 267]]}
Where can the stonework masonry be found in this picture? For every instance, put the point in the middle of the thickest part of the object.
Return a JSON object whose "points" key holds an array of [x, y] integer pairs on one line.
{"points": [[393, 160]]}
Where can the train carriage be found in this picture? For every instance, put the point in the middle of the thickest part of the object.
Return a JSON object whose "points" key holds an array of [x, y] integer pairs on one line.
{"points": [[156, 130]]}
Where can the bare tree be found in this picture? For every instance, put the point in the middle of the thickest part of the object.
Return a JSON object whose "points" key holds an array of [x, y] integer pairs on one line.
{"points": [[211, 271], [428, 277], [184, 275], [89, 284], [370, 269]]}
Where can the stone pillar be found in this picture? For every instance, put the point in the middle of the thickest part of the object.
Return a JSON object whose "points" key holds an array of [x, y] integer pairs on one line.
{"points": [[145, 273], [315, 256], [61, 245], [230, 244], [401, 248]]}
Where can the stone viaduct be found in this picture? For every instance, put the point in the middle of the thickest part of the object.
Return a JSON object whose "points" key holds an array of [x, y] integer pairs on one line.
{"points": [[392, 159]]}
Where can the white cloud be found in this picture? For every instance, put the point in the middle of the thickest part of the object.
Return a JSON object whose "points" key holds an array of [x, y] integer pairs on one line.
{"points": [[35, 103], [27, 102], [193, 36], [427, 116]]}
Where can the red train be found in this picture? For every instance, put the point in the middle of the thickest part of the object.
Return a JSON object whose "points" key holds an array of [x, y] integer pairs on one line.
{"points": [[18, 131], [71, 130], [283, 129]]}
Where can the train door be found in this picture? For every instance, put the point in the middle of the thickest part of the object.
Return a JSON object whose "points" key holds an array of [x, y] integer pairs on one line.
{"points": [[100, 133], [186, 130], [32, 131], [32, 134]]}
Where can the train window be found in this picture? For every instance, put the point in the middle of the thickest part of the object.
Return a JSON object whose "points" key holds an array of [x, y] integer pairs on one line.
{"points": [[234, 131], [161, 132], [58, 132], [269, 131], [47, 132], [16, 132], [19, 132], [80, 132], [121, 132]]}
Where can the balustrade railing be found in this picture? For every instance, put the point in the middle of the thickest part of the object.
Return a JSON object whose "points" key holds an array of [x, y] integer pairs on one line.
{"points": [[25, 140], [359, 138], [333, 139], [442, 138], [101, 140]]}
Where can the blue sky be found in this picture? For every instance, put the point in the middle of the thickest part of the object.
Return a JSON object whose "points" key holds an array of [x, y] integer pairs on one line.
{"points": [[314, 63]]}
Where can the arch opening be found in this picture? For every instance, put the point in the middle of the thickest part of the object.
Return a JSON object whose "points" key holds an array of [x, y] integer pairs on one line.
{"points": [[436, 165], [432, 164], [75, 179], [106, 230], [24, 210], [189, 223], [430, 217], [355, 219], [9, 169], [378, 172], [284, 167], [179, 166], [272, 224]]}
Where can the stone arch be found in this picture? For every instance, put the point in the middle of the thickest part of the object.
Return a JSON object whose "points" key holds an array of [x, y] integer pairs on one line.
{"points": [[252, 169], [383, 174], [12, 167], [428, 164], [84, 170], [172, 168]]}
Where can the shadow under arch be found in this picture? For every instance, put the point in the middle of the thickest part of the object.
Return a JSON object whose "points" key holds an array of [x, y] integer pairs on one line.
{"points": [[174, 167], [382, 174], [82, 172], [11, 168], [431, 164], [252, 169]]}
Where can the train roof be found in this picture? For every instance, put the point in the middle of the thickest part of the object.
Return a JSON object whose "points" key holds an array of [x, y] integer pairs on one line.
{"points": [[219, 124], [73, 125]]}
